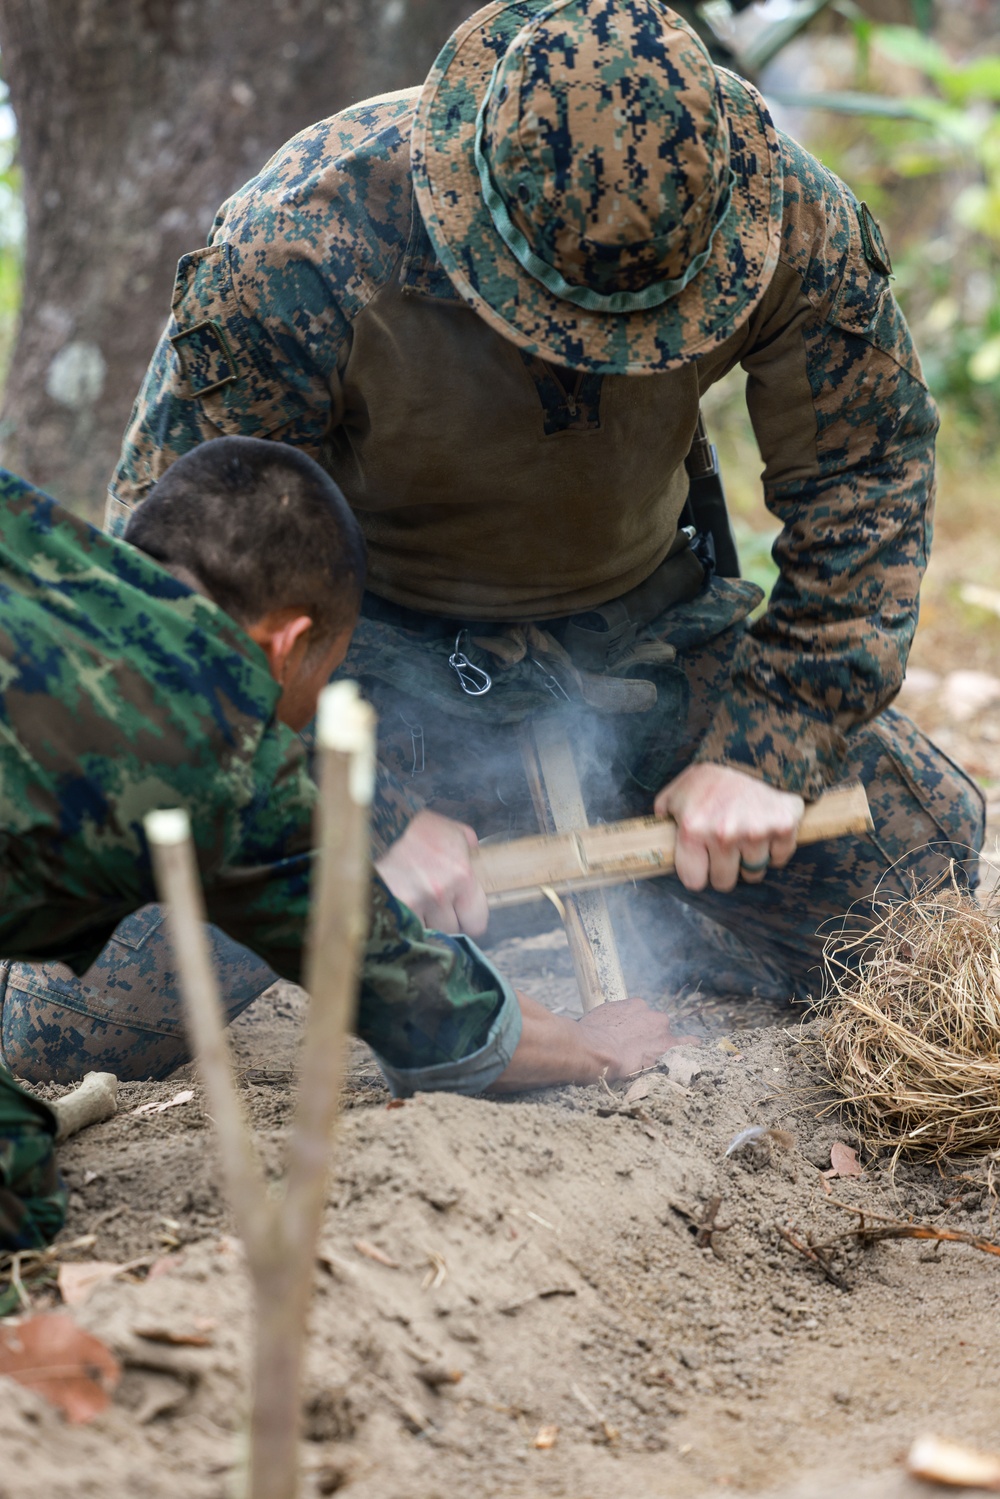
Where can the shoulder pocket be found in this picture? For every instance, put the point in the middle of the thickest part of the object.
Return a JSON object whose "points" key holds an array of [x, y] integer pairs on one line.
{"points": [[225, 360], [864, 303], [864, 288]]}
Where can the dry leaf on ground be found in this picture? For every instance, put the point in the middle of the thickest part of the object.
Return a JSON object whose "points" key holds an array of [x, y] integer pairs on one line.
{"points": [[638, 1090], [682, 1067], [198, 1337], [78, 1278], [54, 1357], [843, 1161], [171, 1103]]}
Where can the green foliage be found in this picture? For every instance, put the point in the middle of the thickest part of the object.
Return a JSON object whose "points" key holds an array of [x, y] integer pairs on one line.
{"points": [[934, 157]]}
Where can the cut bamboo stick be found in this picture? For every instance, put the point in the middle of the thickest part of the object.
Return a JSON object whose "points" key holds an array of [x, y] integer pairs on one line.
{"points": [[615, 853], [280, 1230], [559, 805]]}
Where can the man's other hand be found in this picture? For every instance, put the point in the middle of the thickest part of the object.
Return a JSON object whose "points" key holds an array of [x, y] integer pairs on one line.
{"points": [[613, 1041], [629, 1036], [430, 870], [729, 826]]}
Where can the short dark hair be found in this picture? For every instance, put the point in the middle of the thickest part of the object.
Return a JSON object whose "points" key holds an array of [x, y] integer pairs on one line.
{"points": [[261, 527]]}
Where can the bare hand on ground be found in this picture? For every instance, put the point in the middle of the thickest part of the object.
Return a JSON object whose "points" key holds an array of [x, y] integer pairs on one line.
{"points": [[729, 826], [430, 870], [630, 1035], [613, 1041]]}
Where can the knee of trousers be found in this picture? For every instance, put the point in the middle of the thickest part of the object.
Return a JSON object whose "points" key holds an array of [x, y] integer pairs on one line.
{"points": [[54, 1029], [929, 814], [125, 1015]]}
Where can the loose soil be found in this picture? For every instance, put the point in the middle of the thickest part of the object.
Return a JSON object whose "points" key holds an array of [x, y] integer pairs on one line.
{"points": [[543, 1253]]}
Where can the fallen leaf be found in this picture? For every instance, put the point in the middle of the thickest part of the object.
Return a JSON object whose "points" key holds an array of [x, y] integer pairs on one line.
{"points": [[939, 1461], [546, 1437], [70, 1368], [372, 1252], [638, 1090], [78, 1278], [843, 1161], [158, 1108], [176, 1338], [682, 1068]]}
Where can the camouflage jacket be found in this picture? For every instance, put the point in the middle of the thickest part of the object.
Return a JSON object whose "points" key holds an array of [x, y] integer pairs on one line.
{"points": [[123, 691], [493, 486], [32, 1197]]}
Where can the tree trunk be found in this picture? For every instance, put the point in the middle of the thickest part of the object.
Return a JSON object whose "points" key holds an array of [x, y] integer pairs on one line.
{"points": [[136, 119]]}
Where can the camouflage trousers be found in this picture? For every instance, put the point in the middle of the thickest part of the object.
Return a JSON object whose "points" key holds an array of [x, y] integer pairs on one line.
{"points": [[461, 756]]}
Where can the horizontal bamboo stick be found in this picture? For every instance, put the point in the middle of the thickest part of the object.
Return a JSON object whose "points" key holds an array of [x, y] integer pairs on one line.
{"points": [[615, 853]]}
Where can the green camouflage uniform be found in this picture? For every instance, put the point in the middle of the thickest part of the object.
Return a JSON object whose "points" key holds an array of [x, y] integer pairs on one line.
{"points": [[32, 1196], [123, 691]]}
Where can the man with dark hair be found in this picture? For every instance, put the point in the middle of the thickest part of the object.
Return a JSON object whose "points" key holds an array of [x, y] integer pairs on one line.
{"points": [[490, 306], [129, 684], [254, 525]]}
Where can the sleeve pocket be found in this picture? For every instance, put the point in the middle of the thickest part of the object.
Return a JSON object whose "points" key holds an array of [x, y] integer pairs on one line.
{"points": [[864, 304], [863, 290], [225, 359]]}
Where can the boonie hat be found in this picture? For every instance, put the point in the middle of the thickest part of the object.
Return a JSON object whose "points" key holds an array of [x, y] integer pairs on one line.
{"points": [[595, 188]]}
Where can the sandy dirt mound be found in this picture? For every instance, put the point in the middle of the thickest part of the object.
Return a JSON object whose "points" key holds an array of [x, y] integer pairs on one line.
{"points": [[491, 1269]]}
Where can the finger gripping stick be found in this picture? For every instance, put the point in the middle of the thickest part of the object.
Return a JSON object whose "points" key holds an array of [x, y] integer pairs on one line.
{"points": [[641, 848]]}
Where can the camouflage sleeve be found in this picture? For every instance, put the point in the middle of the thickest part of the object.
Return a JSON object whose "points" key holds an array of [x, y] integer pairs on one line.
{"points": [[846, 429], [250, 349], [260, 318], [261, 896], [32, 1196], [433, 1008]]}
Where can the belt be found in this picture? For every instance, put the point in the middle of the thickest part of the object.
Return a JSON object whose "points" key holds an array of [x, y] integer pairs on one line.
{"points": [[594, 639]]}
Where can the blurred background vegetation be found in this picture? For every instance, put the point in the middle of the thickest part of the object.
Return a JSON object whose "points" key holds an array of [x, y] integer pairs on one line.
{"points": [[908, 113]]}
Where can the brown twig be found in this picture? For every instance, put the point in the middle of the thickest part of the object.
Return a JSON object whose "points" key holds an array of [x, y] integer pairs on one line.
{"points": [[896, 1228], [815, 1257], [705, 1227], [708, 1227]]}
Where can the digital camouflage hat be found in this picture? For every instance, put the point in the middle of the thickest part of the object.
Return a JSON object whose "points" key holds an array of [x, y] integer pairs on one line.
{"points": [[595, 188]]}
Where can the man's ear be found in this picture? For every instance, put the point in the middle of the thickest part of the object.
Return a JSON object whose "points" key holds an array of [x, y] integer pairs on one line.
{"points": [[284, 637]]}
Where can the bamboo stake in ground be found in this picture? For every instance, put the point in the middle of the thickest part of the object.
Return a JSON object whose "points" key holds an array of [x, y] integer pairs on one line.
{"points": [[280, 1232], [560, 808]]}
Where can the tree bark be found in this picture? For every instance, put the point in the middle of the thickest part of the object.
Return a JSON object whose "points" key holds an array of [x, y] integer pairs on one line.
{"points": [[136, 119]]}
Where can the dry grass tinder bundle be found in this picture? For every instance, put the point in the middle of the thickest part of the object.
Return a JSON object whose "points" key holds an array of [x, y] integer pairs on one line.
{"points": [[913, 1044]]}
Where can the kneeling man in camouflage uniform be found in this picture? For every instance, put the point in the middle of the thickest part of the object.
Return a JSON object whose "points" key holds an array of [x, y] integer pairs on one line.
{"points": [[489, 308]]}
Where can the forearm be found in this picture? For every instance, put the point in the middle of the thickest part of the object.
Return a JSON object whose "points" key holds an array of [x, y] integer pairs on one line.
{"points": [[553, 1050]]}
